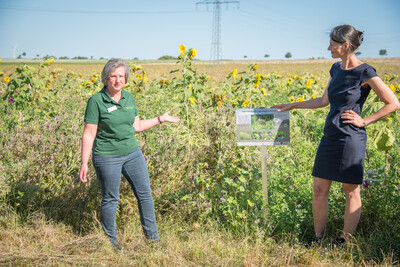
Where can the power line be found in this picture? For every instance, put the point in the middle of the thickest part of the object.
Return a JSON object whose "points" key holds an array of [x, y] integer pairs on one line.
{"points": [[69, 11]]}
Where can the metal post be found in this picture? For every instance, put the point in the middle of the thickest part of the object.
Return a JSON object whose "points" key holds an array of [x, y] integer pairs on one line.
{"points": [[264, 173]]}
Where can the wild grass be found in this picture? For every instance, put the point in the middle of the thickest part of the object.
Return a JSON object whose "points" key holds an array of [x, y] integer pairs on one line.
{"points": [[40, 242]]}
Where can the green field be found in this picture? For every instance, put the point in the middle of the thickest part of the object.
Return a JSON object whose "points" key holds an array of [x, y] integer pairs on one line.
{"points": [[207, 190]]}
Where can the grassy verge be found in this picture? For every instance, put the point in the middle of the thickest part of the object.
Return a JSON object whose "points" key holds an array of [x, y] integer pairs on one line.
{"points": [[39, 242]]}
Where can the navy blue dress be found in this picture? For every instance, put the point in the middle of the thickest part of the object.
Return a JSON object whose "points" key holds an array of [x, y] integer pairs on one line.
{"points": [[341, 152]]}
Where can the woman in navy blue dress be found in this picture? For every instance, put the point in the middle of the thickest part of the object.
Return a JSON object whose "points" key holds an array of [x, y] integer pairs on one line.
{"points": [[341, 153]]}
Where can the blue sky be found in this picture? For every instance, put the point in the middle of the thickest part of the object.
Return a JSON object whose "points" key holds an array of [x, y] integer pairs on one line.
{"points": [[151, 29]]}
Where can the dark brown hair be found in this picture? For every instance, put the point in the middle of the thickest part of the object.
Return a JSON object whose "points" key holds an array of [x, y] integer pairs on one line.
{"points": [[347, 33]]}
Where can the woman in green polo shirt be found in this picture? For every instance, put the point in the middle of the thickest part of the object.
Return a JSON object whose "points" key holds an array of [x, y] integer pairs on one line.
{"points": [[111, 120]]}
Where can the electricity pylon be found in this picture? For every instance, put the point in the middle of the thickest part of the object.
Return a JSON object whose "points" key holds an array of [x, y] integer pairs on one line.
{"points": [[216, 53]]}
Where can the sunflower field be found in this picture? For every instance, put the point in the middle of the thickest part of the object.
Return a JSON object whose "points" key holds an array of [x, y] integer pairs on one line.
{"points": [[200, 178]]}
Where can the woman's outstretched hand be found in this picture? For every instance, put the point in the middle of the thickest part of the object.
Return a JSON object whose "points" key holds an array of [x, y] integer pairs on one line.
{"points": [[167, 118], [282, 107]]}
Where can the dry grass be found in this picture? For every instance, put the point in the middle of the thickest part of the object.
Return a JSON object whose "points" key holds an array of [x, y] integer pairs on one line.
{"points": [[42, 243]]}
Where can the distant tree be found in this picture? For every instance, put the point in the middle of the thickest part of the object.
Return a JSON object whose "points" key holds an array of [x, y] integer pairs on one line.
{"points": [[24, 54], [358, 53], [166, 58], [91, 57], [136, 58], [383, 52], [64, 57], [37, 55], [245, 56], [266, 56], [79, 57], [288, 55]]}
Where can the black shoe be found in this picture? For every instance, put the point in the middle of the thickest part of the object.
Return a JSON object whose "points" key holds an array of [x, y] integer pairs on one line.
{"points": [[313, 242], [341, 241]]}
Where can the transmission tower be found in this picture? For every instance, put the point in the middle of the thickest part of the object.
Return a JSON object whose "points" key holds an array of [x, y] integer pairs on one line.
{"points": [[216, 53]]}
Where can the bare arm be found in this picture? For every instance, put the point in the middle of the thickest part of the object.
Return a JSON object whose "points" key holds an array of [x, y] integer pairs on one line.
{"points": [[143, 125], [385, 95], [89, 134], [313, 103]]}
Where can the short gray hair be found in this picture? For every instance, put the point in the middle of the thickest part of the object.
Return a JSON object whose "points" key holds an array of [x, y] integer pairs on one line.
{"points": [[111, 65], [347, 33]]}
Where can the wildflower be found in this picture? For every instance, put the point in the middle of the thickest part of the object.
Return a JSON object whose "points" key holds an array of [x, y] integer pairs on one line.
{"points": [[145, 79], [258, 76], [136, 67], [80, 75], [309, 81], [291, 99], [192, 100], [313, 96], [219, 103], [48, 84], [0, 59], [386, 77], [392, 88], [93, 80], [11, 100], [192, 53], [366, 184], [263, 91], [7, 79], [297, 77], [235, 178], [234, 73], [289, 81], [300, 99], [49, 61], [139, 77], [246, 103], [182, 49], [254, 67], [9, 114], [257, 84]]}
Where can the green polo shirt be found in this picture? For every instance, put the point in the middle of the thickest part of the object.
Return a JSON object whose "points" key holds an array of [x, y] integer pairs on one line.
{"points": [[115, 132]]}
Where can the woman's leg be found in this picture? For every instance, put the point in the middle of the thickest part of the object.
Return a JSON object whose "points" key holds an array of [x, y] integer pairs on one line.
{"points": [[108, 170], [135, 171], [352, 211], [320, 205]]}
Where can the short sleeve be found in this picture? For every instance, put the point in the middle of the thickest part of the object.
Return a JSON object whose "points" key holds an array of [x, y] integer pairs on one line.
{"points": [[333, 68], [368, 73], [92, 112]]}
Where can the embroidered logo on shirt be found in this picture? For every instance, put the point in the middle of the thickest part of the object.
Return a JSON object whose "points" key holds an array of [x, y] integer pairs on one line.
{"points": [[111, 109]]}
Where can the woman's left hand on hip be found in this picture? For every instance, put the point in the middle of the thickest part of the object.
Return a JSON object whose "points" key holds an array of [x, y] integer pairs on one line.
{"points": [[350, 116]]}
